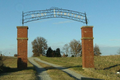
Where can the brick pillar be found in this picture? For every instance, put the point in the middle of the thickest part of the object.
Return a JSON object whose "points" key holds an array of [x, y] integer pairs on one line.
{"points": [[87, 47], [22, 38]]}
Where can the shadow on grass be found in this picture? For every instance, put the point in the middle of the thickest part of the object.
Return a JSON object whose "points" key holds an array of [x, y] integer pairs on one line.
{"points": [[111, 66], [7, 70], [78, 67]]}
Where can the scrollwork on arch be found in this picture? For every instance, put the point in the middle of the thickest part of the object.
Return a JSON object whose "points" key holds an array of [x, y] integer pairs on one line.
{"points": [[53, 12]]}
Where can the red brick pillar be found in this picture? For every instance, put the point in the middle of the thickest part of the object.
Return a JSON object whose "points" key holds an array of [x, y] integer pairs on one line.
{"points": [[87, 47], [22, 38]]}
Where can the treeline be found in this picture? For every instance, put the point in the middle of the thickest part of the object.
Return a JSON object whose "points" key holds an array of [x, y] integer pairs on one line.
{"points": [[39, 46], [74, 48], [53, 53]]}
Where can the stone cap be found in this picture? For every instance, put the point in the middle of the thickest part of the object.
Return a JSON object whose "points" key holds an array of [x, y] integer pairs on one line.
{"points": [[87, 38], [22, 38], [22, 27], [86, 27]]}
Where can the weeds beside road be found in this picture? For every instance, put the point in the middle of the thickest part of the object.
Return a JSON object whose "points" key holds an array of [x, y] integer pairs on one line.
{"points": [[14, 73]]}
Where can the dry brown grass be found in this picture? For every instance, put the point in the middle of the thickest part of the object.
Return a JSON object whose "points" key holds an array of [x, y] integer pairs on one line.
{"points": [[14, 73], [54, 73], [105, 66]]}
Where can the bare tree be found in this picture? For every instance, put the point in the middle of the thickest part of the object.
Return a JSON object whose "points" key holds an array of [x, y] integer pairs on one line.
{"points": [[75, 47], [97, 50], [39, 46], [118, 51], [66, 49]]}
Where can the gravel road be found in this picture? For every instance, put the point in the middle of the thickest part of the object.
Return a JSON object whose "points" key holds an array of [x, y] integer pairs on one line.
{"points": [[41, 72], [69, 72]]}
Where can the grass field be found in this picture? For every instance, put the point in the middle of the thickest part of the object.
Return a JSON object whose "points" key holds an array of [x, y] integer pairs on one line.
{"points": [[14, 74], [105, 66]]}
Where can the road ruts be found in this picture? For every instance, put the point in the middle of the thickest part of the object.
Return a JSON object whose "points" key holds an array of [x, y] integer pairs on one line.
{"points": [[41, 72], [69, 72]]}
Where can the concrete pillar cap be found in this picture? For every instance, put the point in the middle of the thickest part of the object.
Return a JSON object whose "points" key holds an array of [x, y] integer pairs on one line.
{"points": [[22, 27], [86, 27]]}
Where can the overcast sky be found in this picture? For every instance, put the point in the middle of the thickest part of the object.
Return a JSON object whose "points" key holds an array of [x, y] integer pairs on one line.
{"points": [[104, 15]]}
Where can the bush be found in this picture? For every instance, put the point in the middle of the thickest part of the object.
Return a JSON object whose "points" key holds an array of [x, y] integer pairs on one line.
{"points": [[1, 60], [15, 55], [1, 64], [72, 56], [64, 55]]}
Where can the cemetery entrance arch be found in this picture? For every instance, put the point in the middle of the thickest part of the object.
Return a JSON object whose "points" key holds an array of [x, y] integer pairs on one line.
{"points": [[86, 31]]}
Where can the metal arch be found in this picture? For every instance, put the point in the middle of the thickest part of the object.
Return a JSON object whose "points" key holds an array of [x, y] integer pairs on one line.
{"points": [[54, 12]]}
